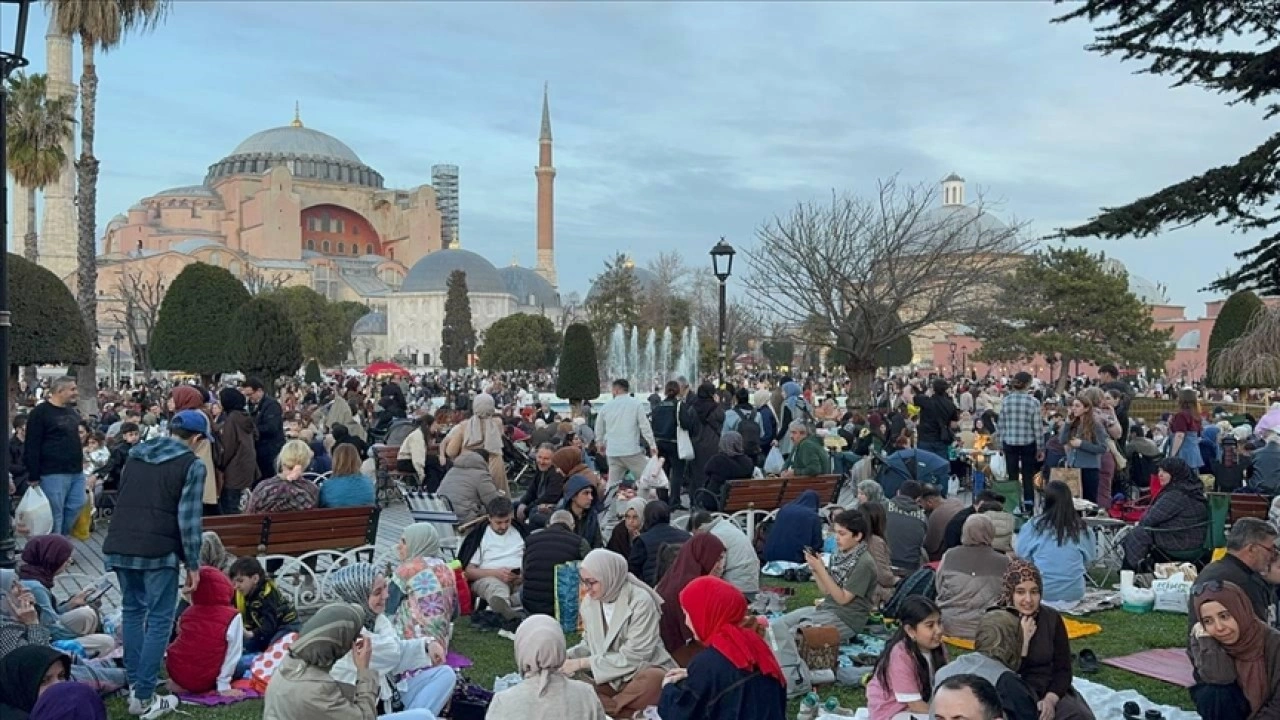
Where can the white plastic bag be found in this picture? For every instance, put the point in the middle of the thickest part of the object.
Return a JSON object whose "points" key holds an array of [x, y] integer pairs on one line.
{"points": [[653, 477], [1173, 594], [34, 516], [684, 444], [773, 462], [999, 470]]}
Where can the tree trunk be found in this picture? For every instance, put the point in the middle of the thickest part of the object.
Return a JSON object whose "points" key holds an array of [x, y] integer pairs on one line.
{"points": [[30, 247], [86, 250], [862, 375], [1064, 365]]}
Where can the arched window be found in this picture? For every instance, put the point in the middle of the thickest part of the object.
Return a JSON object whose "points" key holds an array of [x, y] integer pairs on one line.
{"points": [[311, 244], [368, 249], [342, 248], [325, 246]]}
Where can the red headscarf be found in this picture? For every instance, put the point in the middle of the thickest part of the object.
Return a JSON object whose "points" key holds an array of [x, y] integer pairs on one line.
{"points": [[186, 397], [43, 557], [716, 610], [697, 557]]}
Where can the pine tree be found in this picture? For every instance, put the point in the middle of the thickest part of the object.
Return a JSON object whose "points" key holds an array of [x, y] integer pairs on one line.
{"points": [[1233, 321], [312, 372], [614, 299], [458, 337], [579, 376], [195, 321], [262, 341], [1203, 43]]}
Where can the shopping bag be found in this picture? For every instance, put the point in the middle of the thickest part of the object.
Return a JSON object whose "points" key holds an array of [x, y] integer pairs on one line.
{"points": [[999, 469], [1172, 594], [684, 444], [1068, 475], [34, 516], [653, 477], [84, 522], [773, 462], [567, 597]]}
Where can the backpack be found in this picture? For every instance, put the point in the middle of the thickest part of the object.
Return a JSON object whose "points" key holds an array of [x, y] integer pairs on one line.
{"points": [[919, 582], [749, 429]]}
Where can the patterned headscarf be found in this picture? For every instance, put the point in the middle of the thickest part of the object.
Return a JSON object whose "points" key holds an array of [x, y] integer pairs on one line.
{"points": [[354, 584], [731, 443], [328, 635], [1018, 572]]}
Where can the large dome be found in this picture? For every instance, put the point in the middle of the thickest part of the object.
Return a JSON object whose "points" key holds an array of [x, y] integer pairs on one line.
{"points": [[308, 154], [431, 273], [529, 288], [1148, 292]]}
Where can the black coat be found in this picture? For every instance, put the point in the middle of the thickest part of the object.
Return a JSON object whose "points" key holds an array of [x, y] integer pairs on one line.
{"points": [[721, 469], [268, 417], [543, 551], [645, 548], [716, 690], [708, 419]]}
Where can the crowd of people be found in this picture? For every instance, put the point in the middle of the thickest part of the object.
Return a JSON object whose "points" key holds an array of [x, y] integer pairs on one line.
{"points": [[666, 583]]}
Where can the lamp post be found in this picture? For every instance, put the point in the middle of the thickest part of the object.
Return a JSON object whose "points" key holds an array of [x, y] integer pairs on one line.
{"points": [[115, 358], [953, 358], [722, 265], [10, 59]]}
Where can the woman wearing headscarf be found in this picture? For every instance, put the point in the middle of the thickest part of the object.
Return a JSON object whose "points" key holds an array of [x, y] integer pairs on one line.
{"points": [[968, 578], [69, 701], [794, 407], [43, 559], [424, 590], [185, 397], [997, 653], [570, 461], [1046, 651], [425, 681], [481, 432], [302, 688], [1236, 657], [646, 549], [708, 421], [545, 693], [341, 412], [25, 674], [238, 436], [796, 527], [1178, 516], [736, 676], [870, 491], [625, 532], [621, 648], [703, 555], [731, 463], [213, 553]]}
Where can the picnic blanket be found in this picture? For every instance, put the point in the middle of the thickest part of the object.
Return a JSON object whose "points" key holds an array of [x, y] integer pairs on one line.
{"points": [[861, 647], [1075, 629], [1168, 664]]}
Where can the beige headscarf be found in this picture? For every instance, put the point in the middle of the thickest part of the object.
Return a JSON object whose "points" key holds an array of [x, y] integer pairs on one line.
{"points": [[340, 414], [482, 431], [422, 540], [999, 637], [540, 650], [977, 530], [611, 570], [328, 635]]}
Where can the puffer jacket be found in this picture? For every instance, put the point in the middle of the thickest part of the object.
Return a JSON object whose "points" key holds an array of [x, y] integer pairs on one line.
{"points": [[968, 583], [469, 487]]}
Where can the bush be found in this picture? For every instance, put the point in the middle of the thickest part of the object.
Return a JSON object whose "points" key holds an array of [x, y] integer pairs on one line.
{"points": [[1230, 325], [312, 372], [263, 342], [195, 323], [47, 328], [520, 342], [579, 377]]}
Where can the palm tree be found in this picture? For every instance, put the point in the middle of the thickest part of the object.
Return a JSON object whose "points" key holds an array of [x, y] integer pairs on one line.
{"points": [[100, 25], [36, 127]]}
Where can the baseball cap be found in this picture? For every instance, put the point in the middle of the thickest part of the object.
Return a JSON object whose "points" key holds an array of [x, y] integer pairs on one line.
{"points": [[191, 421]]}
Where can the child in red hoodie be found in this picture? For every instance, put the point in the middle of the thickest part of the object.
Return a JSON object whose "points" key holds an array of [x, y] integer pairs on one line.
{"points": [[210, 634]]}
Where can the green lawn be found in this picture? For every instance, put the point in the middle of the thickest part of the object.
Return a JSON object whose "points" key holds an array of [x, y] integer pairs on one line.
{"points": [[1122, 633]]}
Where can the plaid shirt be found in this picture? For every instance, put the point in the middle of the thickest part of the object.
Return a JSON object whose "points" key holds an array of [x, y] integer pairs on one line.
{"points": [[190, 525], [1020, 422]]}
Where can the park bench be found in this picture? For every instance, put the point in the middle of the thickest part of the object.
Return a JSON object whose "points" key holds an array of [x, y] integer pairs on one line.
{"points": [[1245, 505], [747, 498]]}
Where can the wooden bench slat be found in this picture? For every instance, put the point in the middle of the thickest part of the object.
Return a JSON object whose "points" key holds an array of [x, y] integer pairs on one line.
{"points": [[295, 532]]}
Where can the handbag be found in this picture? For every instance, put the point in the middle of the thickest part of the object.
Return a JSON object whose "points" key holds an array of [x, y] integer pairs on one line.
{"points": [[1068, 475], [470, 701], [820, 647]]}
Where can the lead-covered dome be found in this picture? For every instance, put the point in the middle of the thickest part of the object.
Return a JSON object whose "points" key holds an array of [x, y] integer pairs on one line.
{"points": [[431, 273], [309, 155], [529, 288]]}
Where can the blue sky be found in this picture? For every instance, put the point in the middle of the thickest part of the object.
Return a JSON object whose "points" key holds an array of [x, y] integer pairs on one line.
{"points": [[674, 123]]}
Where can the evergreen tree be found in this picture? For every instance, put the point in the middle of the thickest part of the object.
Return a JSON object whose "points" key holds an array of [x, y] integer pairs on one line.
{"points": [[1233, 321], [614, 299], [324, 327], [458, 337], [579, 376], [1064, 305], [311, 374], [779, 353], [195, 321], [520, 342], [46, 320], [1203, 43], [262, 341]]}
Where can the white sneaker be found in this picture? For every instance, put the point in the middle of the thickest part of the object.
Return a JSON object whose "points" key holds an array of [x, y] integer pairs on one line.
{"points": [[160, 705], [135, 706]]}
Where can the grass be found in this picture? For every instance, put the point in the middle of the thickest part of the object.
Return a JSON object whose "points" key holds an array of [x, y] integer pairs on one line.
{"points": [[1122, 633]]}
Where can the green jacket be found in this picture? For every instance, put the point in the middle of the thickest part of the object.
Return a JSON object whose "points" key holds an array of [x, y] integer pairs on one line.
{"points": [[810, 458]]}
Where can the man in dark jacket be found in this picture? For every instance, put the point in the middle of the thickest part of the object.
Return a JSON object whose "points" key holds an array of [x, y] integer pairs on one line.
{"points": [[646, 549], [906, 527], [545, 490], [268, 416], [581, 500], [17, 466], [543, 551]]}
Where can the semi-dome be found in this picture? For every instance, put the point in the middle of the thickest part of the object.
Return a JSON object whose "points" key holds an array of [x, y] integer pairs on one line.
{"points": [[308, 154], [646, 279], [529, 288], [1189, 341], [431, 273], [1148, 292], [375, 323]]}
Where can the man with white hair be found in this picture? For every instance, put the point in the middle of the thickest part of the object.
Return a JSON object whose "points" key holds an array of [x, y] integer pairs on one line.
{"points": [[1265, 463]]}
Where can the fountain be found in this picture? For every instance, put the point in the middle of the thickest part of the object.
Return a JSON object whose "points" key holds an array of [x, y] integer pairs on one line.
{"points": [[664, 357], [616, 364], [655, 361], [633, 361], [648, 368]]}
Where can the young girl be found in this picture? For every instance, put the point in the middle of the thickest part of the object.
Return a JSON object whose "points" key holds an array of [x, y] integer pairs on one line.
{"points": [[902, 683]]}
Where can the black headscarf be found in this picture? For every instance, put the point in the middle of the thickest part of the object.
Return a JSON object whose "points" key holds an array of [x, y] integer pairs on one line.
{"points": [[231, 399], [656, 513], [21, 672]]}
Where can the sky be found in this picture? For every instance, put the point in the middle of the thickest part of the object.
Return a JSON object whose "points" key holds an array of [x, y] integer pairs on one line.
{"points": [[675, 123]]}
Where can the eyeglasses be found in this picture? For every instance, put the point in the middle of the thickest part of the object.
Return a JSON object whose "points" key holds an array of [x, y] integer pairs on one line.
{"points": [[1211, 586], [588, 583]]}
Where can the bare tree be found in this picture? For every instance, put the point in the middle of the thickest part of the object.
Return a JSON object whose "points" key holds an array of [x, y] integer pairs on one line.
{"points": [[136, 309], [742, 323], [259, 283], [1253, 360], [870, 271]]}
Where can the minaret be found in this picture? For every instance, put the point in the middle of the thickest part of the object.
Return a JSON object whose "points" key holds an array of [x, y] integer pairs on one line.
{"points": [[59, 232], [546, 174]]}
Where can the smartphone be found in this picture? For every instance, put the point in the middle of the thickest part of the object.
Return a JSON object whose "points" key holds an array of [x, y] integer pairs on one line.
{"points": [[99, 589], [515, 571]]}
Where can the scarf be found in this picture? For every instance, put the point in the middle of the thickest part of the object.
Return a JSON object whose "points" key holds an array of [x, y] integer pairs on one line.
{"points": [[43, 557], [731, 443], [1018, 572], [479, 431], [612, 572], [69, 701], [328, 635], [999, 637], [540, 650], [212, 552], [21, 672], [716, 612], [421, 540], [842, 563], [354, 584], [696, 558], [568, 460], [186, 397], [977, 530], [1249, 651]]}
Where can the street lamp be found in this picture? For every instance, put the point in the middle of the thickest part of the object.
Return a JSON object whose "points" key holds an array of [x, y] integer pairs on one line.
{"points": [[10, 59], [953, 357], [115, 358], [722, 265]]}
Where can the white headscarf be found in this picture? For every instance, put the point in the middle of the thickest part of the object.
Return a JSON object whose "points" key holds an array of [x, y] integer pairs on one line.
{"points": [[481, 431], [540, 650], [611, 570]]}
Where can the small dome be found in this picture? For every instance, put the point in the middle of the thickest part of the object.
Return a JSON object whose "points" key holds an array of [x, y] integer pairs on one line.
{"points": [[1189, 341], [524, 283], [431, 273], [297, 141], [375, 323], [947, 215], [1148, 292], [647, 280]]}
